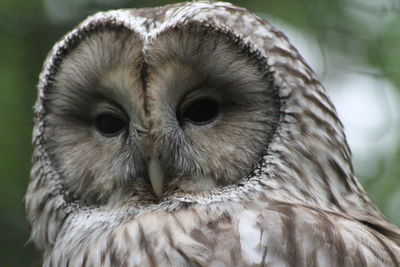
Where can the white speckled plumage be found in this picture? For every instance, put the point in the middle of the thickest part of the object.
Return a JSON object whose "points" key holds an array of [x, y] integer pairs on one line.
{"points": [[300, 205]]}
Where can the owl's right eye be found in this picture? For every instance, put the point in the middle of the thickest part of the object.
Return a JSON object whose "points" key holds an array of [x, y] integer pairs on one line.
{"points": [[109, 125]]}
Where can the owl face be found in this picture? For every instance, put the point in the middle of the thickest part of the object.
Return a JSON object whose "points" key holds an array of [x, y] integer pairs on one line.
{"points": [[191, 110]]}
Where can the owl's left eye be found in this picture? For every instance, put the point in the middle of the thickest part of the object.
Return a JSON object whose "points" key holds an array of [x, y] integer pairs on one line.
{"points": [[201, 111], [109, 125]]}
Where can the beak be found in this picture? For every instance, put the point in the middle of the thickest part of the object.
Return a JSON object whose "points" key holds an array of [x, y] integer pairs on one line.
{"points": [[156, 176]]}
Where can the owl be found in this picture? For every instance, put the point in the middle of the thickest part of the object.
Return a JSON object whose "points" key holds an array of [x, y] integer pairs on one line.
{"points": [[193, 134]]}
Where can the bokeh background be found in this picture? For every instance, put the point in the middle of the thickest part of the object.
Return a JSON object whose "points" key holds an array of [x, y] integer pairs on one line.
{"points": [[353, 45]]}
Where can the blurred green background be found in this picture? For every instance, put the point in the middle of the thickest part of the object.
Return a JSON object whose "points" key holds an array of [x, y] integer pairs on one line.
{"points": [[353, 45]]}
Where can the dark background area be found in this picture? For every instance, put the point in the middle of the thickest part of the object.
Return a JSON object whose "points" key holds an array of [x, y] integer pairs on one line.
{"points": [[365, 32]]}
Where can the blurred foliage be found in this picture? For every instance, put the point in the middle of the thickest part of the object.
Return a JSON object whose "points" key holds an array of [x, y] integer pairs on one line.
{"points": [[365, 30]]}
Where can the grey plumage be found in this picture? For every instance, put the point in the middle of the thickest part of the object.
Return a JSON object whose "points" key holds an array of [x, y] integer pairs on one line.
{"points": [[268, 180]]}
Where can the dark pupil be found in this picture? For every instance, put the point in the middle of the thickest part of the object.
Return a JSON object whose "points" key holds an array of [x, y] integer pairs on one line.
{"points": [[109, 125], [201, 111]]}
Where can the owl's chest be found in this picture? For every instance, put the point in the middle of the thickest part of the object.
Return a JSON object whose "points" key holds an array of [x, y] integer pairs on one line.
{"points": [[201, 236], [224, 234], [205, 236]]}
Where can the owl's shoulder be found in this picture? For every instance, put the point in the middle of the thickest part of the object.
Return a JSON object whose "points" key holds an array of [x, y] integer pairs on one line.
{"points": [[298, 235]]}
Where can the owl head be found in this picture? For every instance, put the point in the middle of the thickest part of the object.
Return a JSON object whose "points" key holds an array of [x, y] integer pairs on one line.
{"points": [[188, 103], [191, 109]]}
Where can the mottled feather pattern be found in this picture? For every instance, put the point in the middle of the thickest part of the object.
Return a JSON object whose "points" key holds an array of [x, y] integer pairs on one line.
{"points": [[301, 204], [282, 234]]}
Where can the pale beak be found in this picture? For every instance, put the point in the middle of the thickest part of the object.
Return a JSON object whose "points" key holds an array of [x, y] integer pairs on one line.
{"points": [[156, 176]]}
